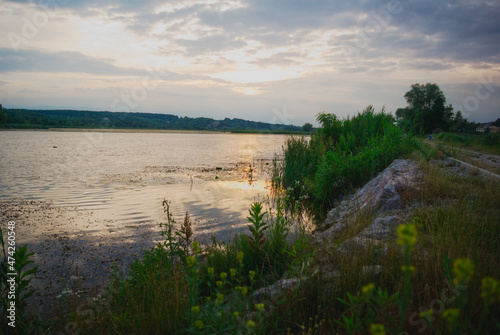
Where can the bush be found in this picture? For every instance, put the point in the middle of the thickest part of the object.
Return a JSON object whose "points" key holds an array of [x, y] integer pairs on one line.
{"points": [[342, 154]]}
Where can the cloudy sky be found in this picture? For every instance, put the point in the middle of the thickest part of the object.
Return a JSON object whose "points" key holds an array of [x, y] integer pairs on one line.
{"points": [[265, 60]]}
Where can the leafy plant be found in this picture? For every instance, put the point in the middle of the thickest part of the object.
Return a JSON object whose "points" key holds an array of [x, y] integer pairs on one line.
{"points": [[16, 263], [258, 225]]}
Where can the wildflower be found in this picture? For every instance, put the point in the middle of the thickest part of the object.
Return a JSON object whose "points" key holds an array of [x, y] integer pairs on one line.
{"points": [[219, 283], [196, 247], [408, 268], [219, 299], [195, 309], [407, 236], [463, 270], [367, 289], [233, 272], [259, 307], [223, 275], [198, 324], [250, 324], [377, 329], [191, 261], [490, 290], [236, 314], [244, 290], [251, 274], [451, 315], [427, 314], [240, 256], [211, 271]]}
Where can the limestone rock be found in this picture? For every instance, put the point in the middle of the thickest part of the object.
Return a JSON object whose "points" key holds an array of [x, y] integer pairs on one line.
{"points": [[277, 288], [354, 244], [380, 195], [381, 228]]}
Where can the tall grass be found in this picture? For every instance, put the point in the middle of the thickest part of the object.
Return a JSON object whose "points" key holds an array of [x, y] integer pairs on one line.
{"points": [[341, 155]]}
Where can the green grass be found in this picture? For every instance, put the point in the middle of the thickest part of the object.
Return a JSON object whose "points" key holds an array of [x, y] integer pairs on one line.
{"points": [[485, 143]]}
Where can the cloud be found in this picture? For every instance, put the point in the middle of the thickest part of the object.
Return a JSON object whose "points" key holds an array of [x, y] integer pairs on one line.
{"points": [[342, 55], [63, 61]]}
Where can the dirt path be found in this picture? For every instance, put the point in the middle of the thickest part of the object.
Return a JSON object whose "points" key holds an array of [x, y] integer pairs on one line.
{"points": [[486, 161]]}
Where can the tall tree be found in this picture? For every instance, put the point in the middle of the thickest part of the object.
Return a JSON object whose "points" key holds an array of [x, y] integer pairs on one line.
{"points": [[427, 110], [3, 115], [307, 127]]}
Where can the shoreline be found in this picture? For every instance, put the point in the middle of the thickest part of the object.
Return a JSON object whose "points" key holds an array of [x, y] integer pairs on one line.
{"points": [[97, 130]]}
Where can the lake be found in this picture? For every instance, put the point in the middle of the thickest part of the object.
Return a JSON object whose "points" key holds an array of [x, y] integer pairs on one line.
{"points": [[125, 176], [84, 200]]}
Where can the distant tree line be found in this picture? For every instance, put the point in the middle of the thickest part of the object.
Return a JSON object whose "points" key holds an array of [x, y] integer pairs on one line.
{"points": [[24, 118]]}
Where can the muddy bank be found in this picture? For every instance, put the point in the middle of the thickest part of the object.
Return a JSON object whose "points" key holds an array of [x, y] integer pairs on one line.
{"points": [[69, 243]]}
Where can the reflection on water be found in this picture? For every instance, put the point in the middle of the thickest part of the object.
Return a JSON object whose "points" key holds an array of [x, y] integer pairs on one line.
{"points": [[125, 176]]}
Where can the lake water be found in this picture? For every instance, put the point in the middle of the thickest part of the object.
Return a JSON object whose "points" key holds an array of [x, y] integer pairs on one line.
{"points": [[125, 176]]}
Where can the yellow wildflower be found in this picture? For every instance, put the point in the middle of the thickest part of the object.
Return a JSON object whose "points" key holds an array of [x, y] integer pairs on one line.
{"points": [[195, 309], [407, 236], [367, 289], [490, 290], [223, 275], [377, 329], [451, 315], [408, 268], [250, 324], [233, 272], [211, 271], [236, 314], [251, 274], [259, 307], [191, 261], [196, 247], [240, 256], [220, 298], [198, 324], [463, 270]]}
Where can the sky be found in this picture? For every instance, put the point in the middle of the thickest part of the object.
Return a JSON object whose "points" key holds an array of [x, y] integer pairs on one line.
{"points": [[264, 60]]}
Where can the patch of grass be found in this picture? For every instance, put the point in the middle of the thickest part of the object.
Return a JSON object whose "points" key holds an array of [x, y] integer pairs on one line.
{"points": [[485, 143]]}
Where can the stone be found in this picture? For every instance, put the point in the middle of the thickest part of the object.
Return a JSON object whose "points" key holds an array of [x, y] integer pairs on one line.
{"points": [[381, 228], [276, 288], [380, 195], [354, 244]]}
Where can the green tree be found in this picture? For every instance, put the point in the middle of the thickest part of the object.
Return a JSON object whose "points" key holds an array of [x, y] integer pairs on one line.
{"points": [[427, 110], [307, 127], [459, 123], [3, 115]]}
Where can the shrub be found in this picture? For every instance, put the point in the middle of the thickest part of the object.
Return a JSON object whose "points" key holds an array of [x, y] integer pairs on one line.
{"points": [[342, 154]]}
